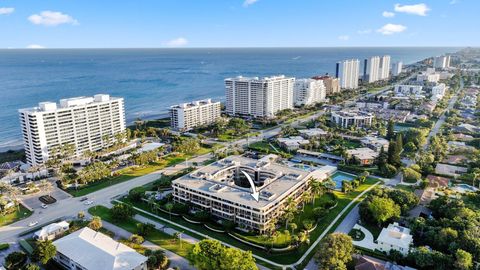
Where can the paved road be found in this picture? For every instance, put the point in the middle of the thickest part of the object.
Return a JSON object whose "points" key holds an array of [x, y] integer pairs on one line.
{"points": [[71, 206]]}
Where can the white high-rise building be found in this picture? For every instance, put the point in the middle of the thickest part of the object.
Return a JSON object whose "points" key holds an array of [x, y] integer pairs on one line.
{"points": [[371, 72], [308, 91], [397, 68], [384, 67], [186, 116], [86, 123], [348, 71], [441, 61], [258, 97]]}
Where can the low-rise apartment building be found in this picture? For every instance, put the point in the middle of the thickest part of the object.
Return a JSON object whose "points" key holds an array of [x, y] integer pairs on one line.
{"points": [[187, 116], [346, 119], [85, 123], [223, 190]]}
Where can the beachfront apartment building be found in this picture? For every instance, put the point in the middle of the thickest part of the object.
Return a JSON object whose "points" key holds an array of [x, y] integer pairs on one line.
{"points": [[397, 68], [384, 73], [346, 119], [332, 85], [258, 97], [347, 71], [308, 92], [371, 69], [86, 123], [223, 189], [187, 116], [441, 62]]}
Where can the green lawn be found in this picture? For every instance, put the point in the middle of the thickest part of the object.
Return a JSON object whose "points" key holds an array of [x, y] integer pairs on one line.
{"points": [[374, 229], [265, 147], [284, 257], [15, 216], [157, 237], [130, 173]]}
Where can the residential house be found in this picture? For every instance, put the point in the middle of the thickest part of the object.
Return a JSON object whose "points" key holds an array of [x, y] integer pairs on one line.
{"points": [[395, 237], [450, 170], [364, 155], [51, 231], [87, 249]]}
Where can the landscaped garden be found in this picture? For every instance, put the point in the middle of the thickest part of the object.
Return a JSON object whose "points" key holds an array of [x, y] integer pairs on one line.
{"points": [[133, 172], [19, 213]]}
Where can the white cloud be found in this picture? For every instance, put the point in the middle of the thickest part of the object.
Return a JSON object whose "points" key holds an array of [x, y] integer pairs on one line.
{"points": [[247, 3], [388, 14], [35, 46], [364, 31], [52, 18], [177, 42], [344, 37], [418, 9], [390, 29], [6, 10]]}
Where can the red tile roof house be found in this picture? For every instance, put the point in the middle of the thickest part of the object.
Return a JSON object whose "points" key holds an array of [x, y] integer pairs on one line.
{"points": [[438, 181]]}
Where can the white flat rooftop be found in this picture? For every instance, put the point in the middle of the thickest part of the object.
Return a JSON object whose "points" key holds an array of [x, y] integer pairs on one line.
{"points": [[96, 251], [209, 181]]}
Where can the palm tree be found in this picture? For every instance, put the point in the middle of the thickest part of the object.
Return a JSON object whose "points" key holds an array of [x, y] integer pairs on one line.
{"points": [[317, 189], [307, 196], [169, 207], [288, 216], [10, 191], [304, 237], [178, 237], [329, 184], [293, 227]]}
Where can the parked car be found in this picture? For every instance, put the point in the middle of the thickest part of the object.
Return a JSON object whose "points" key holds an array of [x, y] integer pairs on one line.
{"points": [[44, 206], [84, 199], [33, 223], [88, 202]]}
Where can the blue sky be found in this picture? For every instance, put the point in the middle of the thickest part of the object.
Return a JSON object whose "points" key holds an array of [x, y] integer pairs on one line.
{"points": [[237, 23]]}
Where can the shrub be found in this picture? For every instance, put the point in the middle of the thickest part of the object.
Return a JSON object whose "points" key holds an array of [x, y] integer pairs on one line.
{"points": [[4, 246], [136, 239], [136, 194], [319, 212], [308, 224], [410, 175]]}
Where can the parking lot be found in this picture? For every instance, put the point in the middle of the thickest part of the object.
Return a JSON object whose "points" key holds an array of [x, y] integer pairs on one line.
{"points": [[32, 201]]}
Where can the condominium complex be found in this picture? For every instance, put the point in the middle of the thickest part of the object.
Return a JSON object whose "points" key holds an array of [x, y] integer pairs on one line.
{"points": [[441, 61], [86, 123], [308, 92], [186, 116], [407, 90], [346, 119], [258, 97], [384, 67], [371, 69], [397, 68], [332, 85], [223, 190], [347, 72]]}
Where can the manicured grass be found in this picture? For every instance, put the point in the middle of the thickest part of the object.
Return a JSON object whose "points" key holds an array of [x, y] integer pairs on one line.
{"points": [[15, 216], [265, 147], [405, 187], [157, 237], [284, 257], [130, 173]]}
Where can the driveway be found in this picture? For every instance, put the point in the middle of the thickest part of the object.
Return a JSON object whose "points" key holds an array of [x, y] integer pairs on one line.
{"points": [[368, 241]]}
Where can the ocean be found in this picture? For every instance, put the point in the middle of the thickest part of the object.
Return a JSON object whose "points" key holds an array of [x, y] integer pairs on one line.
{"points": [[151, 80]]}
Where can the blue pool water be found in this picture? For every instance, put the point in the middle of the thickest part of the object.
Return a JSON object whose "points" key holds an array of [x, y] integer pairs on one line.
{"points": [[338, 177]]}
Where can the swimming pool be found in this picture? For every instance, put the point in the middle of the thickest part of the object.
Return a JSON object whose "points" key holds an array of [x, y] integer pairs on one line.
{"points": [[339, 176], [462, 188]]}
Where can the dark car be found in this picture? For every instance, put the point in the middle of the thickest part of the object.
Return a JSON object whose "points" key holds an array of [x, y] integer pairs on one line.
{"points": [[84, 199]]}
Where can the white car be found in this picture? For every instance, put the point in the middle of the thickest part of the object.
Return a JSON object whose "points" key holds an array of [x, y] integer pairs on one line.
{"points": [[88, 202], [33, 223], [44, 206]]}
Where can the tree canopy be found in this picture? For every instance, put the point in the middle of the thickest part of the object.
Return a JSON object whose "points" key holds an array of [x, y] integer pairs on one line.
{"points": [[335, 252]]}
